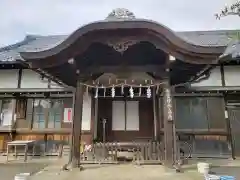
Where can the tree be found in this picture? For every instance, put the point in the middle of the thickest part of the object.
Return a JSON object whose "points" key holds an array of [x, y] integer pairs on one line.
{"points": [[233, 9]]}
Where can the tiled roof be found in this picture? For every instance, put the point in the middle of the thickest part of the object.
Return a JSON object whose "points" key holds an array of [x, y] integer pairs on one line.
{"points": [[208, 38], [39, 43], [30, 43]]}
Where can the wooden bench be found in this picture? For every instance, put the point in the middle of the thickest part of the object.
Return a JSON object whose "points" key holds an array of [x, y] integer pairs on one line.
{"points": [[24, 144]]}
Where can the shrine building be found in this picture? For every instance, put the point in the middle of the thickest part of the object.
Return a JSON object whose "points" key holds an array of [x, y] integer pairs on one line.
{"points": [[124, 80]]}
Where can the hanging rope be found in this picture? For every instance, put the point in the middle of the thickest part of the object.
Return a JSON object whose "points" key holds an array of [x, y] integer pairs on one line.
{"points": [[123, 85]]}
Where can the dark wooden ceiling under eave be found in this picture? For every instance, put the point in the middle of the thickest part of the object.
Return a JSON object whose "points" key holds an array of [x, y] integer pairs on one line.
{"points": [[141, 55]]}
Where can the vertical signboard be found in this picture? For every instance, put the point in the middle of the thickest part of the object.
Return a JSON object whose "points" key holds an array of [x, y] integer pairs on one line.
{"points": [[67, 115]]}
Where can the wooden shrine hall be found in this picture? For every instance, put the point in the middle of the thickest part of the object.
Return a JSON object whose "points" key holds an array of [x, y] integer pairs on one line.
{"points": [[125, 62]]}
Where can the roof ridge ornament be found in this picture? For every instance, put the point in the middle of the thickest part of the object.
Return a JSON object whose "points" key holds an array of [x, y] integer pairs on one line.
{"points": [[119, 14]]}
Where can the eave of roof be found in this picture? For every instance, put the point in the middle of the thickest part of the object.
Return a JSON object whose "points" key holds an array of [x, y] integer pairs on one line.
{"points": [[33, 43]]}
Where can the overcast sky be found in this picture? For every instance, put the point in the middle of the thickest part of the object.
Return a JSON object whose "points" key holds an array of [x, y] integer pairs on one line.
{"points": [[48, 17]]}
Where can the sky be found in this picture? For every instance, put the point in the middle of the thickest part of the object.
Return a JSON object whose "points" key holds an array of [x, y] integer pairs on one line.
{"points": [[53, 17]]}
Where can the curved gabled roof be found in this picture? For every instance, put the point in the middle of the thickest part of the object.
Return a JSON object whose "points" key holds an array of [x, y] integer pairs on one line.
{"points": [[119, 21], [154, 27], [34, 46], [33, 43]]}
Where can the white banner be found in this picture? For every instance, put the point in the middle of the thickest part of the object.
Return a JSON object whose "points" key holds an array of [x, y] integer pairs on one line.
{"points": [[86, 113], [67, 115]]}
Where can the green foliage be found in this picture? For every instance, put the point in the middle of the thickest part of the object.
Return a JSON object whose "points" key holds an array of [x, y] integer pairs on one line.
{"points": [[235, 36]]}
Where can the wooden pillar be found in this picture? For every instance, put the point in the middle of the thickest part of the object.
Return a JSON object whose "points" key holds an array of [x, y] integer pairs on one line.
{"points": [[160, 115], [13, 121], [169, 125], [155, 115], [95, 118], [77, 124]]}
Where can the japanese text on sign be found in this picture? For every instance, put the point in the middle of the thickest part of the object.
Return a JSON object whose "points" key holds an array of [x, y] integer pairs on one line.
{"points": [[169, 105]]}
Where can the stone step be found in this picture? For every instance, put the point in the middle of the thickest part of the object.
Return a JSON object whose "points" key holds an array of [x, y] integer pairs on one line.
{"points": [[66, 150]]}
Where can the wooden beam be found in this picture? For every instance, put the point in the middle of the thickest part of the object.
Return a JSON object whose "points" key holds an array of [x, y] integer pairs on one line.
{"points": [[14, 102], [19, 78], [125, 68], [215, 88], [222, 75], [77, 124], [197, 94], [25, 90]]}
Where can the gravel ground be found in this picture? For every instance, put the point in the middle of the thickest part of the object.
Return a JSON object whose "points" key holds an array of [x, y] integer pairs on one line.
{"points": [[116, 172], [8, 171], [129, 171]]}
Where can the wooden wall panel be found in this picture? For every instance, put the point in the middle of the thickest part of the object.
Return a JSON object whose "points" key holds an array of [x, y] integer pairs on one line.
{"points": [[200, 114], [26, 137], [1, 143], [104, 111], [216, 114], [57, 137], [146, 122], [234, 119], [66, 138], [4, 138]]}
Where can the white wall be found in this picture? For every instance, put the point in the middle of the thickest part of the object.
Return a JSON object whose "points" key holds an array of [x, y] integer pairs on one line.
{"points": [[9, 78], [31, 79], [213, 80], [232, 75]]}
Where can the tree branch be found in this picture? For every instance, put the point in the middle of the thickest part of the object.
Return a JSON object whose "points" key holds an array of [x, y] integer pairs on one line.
{"points": [[233, 9]]}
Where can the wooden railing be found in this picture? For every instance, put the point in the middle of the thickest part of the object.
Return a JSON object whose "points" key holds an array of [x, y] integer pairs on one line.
{"points": [[100, 153], [142, 152], [149, 153]]}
